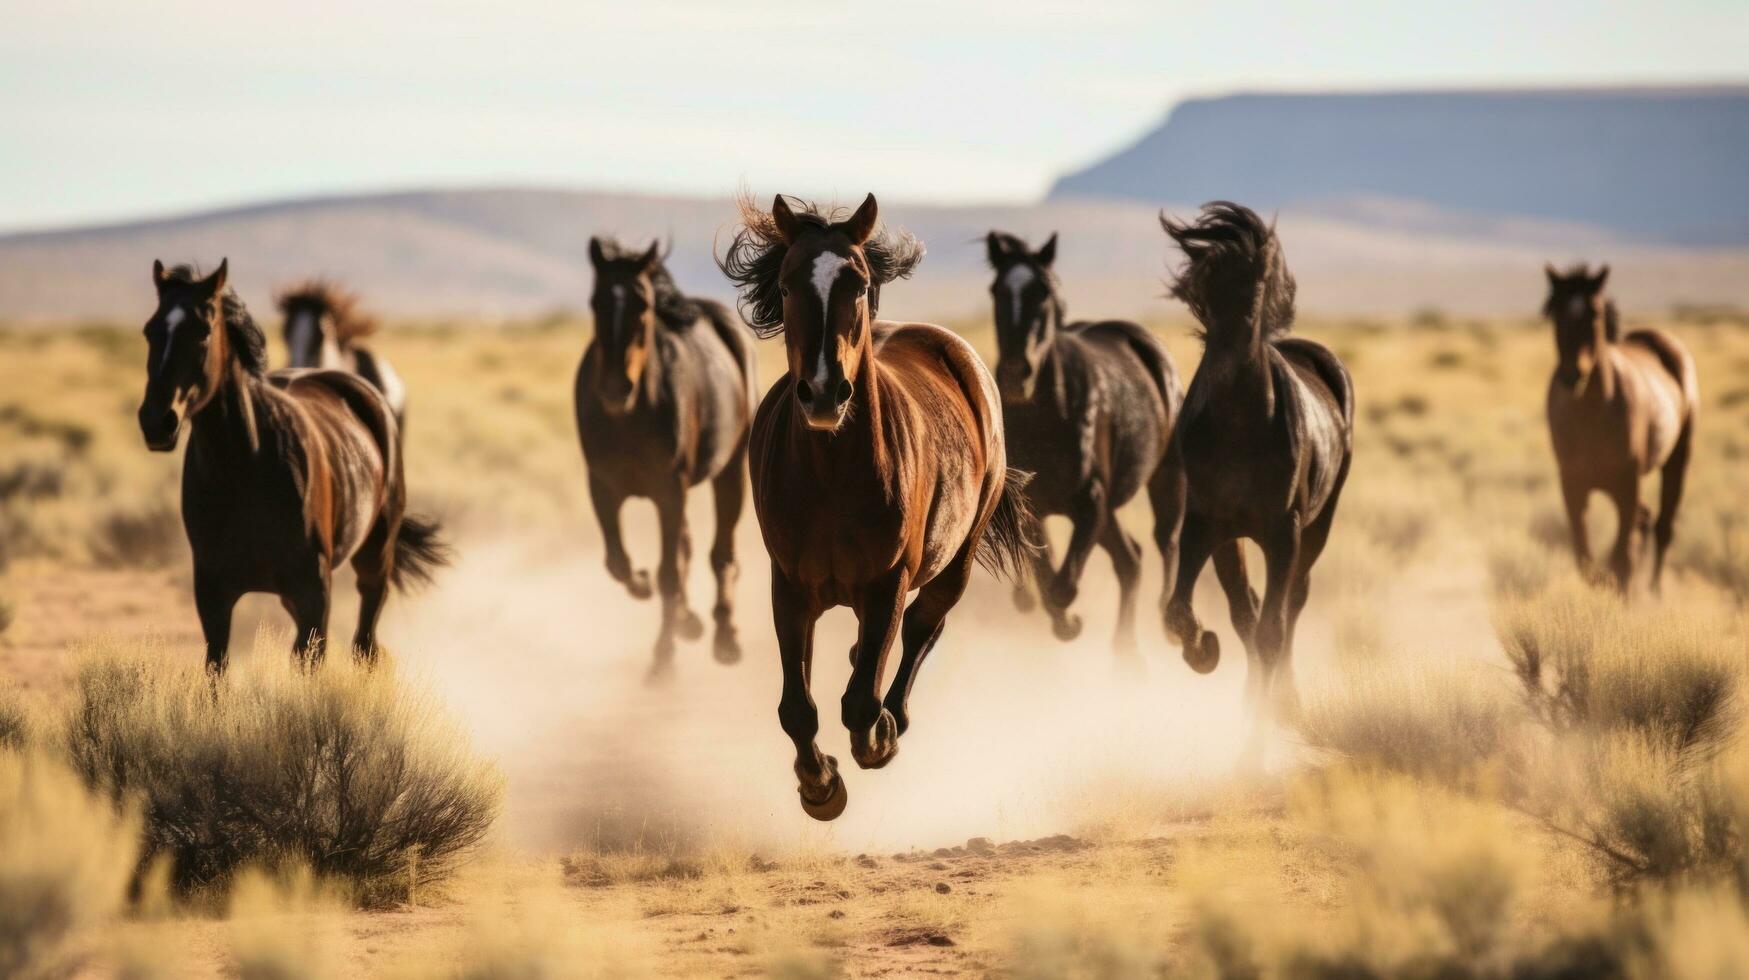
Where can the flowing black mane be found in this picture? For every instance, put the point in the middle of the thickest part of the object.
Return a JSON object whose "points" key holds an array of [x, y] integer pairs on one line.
{"points": [[755, 259], [675, 309], [247, 340], [1236, 277], [341, 304]]}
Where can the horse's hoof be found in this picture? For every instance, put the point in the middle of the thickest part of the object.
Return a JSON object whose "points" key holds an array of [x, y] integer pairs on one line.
{"points": [[875, 749], [688, 625], [1205, 656], [638, 584], [1067, 627], [727, 646], [1024, 600], [832, 802]]}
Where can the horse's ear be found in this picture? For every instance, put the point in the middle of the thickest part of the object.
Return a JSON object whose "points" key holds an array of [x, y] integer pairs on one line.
{"points": [[1048, 253], [996, 248], [651, 256], [785, 220], [1598, 280], [861, 226], [597, 257], [1550, 271], [158, 273], [215, 283]]}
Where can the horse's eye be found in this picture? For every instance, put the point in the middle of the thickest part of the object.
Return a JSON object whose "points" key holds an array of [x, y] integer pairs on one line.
{"points": [[206, 310], [783, 290]]}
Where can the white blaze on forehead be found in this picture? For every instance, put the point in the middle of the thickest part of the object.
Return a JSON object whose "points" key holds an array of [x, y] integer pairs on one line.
{"points": [[827, 266], [1015, 281], [172, 320], [619, 304]]}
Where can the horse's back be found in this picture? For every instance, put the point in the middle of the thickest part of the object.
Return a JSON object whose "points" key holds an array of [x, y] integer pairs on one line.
{"points": [[923, 356], [382, 376], [1318, 403], [1673, 358], [718, 367], [1139, 343], [349, 443]]}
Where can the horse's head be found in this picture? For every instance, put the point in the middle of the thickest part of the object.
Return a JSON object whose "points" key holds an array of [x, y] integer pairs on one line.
{"points": [[624, 302], [825, 281], [1577, 307], [1028, 311], [186, 350], [313, 313]]}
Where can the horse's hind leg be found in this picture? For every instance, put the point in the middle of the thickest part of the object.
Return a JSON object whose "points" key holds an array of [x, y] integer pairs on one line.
{"points": [[819, 785], [1281, 554], [1202, 650], [730, 489], [874, 732], [608, 502], [307, 603], [214, 602], [1126, 561], [1669, 499], [1088, 514], [922, 627], [371, 565]]}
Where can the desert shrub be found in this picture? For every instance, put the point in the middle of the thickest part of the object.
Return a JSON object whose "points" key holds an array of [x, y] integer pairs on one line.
{"points": [[344, 770], [1714, 544], [1443, 722], [15, 730], [65, 858], [139, 536], [1585, 660], [285, 925]]}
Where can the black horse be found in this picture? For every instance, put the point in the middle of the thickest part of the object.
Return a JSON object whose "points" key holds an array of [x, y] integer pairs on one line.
{"points": [[1263, 442], [663, 399], [1088, 407]]}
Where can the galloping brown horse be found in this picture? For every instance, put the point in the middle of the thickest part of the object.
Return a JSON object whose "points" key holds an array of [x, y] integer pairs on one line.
{"points": [[1088, 408], [1619, 408], [286, 476], [323, 329], [663, 398], [878, 469], [1264, 443]]}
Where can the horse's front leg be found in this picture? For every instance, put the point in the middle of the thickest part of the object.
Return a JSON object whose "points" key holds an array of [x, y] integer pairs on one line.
{"points": [[1635, 521], [1202, 649], [214, 601], [1088, 515], [818, 783], [608, 502], [1575, 494], [1281, 555], [922, 628], [307, 603], [874, 732]]}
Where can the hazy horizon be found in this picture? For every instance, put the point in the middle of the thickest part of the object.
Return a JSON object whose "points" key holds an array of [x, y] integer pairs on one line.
{"points": [[117, 113]]}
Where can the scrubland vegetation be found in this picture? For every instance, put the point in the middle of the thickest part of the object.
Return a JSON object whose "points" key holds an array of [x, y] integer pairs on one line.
{"points": [[1500, 768]]}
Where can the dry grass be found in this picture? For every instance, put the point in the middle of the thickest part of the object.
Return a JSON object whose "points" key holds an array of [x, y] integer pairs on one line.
{"points": [[350, 772], [65, 860]]}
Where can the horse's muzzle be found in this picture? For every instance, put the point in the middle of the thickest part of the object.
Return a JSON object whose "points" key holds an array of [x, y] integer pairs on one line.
{"points": [[1015, 380], [822, 409], [159, 428]]}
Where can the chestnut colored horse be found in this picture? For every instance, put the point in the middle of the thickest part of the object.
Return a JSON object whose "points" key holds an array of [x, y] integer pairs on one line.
{"points": [[323, 327], [1088, 407], [663, 398], [1619, 408], [1264, 443], [286, 476], [878, 469]]}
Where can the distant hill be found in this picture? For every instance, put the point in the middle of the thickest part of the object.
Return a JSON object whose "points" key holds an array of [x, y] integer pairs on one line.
{"points": [[1664, 165], [502, 252]]}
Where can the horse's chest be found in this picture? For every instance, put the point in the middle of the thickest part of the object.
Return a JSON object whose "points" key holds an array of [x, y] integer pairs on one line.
{"points": [[1058, 449]]}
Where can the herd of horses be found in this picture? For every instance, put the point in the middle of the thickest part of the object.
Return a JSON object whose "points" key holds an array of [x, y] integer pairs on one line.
{"points": [[888, 459]]}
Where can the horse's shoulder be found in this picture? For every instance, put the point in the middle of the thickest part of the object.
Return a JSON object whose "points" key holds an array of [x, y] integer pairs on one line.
{"points": [[933, 348]]}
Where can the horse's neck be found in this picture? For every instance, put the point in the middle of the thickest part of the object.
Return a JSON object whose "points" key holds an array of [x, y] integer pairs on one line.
{"points": [[1237, 375], [226, 425]]}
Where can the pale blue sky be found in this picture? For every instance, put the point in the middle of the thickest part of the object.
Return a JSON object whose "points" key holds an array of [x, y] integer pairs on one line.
{"points": [[113, 110]]}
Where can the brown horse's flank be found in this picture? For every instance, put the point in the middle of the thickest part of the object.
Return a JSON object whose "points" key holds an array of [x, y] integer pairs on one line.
{"points": [[663, 398], [286, 474], [1088, 408], [878, 468], [1263, 444], [1618, 408]]}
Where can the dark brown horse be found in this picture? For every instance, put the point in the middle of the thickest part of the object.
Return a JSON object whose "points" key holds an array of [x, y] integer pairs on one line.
{"points": [[1619, 408], [1088, 408], [286, 476], [323, 329], [878, 469], [1264, 442], [663, 398]]}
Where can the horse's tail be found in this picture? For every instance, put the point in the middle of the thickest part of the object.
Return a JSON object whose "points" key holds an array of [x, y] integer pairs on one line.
{"points": [[1009, 539], [419, 551]]}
